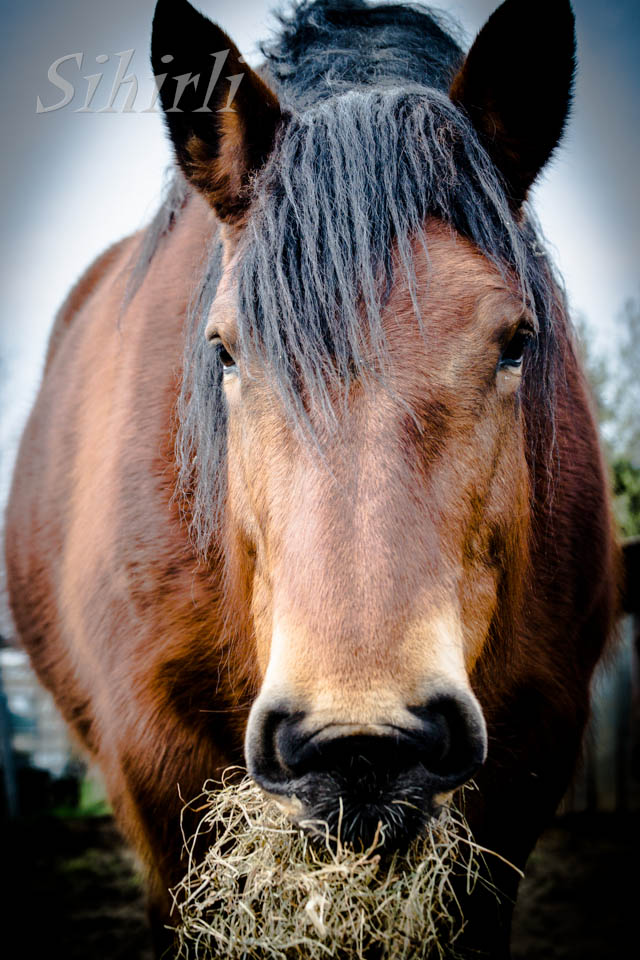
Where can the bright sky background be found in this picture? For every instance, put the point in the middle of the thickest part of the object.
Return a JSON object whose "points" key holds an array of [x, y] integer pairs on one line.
{"points": [[75, 182]]}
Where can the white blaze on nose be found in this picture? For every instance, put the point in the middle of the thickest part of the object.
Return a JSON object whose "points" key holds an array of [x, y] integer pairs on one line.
{"points": [[434, 649], [300, 675], [429, 658], [277, 678]]}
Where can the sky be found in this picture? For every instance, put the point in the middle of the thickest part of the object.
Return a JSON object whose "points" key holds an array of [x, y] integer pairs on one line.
{"points": [[75, 180]]}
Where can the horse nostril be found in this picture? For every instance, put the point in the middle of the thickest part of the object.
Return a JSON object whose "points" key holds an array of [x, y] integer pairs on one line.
{"points": [[453, 736], [444, 747], [267, 747]]}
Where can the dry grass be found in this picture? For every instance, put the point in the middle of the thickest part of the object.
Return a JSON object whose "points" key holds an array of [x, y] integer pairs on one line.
{"points": [[267, 889]]}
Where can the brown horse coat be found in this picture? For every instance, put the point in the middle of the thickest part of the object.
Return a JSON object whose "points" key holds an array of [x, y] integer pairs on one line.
{"points": [[127, 625]]}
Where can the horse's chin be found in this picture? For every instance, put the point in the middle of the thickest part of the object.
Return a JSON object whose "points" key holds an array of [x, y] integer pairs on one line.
{"points": [[389, 814]]}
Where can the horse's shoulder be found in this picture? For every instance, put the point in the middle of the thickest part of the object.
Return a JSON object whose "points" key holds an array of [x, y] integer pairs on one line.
{"points": [[90, 281]]}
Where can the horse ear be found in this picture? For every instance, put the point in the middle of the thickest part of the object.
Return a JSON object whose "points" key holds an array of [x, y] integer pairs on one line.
{"points": [[516, 85], [221, 116]]}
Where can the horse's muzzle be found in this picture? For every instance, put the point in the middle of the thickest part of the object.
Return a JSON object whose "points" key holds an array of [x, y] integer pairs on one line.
{"points": [[359, 783]]}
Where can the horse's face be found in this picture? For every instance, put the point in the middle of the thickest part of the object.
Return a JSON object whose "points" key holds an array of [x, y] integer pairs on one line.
{"points": [[380, 560], [373, 558]]}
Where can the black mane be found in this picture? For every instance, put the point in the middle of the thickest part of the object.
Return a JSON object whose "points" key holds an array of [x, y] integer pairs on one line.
{"points": [[326, 47]]}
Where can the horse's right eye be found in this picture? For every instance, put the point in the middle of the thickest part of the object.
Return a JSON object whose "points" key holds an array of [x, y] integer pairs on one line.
{"points": [[224, 356]]}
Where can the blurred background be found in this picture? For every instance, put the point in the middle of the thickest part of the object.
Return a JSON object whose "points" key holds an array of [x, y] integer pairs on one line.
{"points": [[78, 177]]}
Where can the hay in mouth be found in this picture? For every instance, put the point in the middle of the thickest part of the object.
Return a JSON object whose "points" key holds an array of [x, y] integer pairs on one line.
{"points": [[268, 888]]}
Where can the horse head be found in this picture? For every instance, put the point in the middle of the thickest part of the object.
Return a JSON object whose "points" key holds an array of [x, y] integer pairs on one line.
{"points": [[373, 339]]}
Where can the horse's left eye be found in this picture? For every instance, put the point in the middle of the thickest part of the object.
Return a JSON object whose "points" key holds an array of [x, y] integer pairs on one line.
{"points": [[513, 353]]}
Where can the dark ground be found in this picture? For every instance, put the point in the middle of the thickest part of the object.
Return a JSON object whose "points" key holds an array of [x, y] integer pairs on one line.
{"points": [[72, 892], [579, 900]]}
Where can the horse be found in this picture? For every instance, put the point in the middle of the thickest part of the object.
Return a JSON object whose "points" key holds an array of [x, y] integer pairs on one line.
{"points": [[312, 482]]}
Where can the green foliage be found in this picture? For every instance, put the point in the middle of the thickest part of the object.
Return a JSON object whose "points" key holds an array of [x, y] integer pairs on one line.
{"points": [[626, 490], [615, 385], [92, 801], [627, 393]]}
